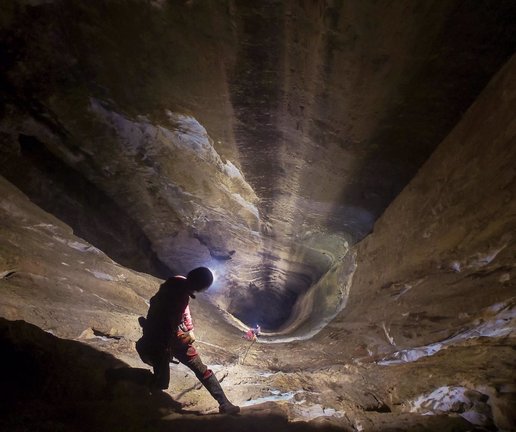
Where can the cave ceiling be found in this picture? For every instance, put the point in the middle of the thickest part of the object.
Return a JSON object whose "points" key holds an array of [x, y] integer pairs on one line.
{"points": [[261, 139]]}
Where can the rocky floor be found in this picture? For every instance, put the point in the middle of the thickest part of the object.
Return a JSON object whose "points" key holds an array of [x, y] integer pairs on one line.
{"points": [[57, 384], [69, 319], [69, 325]]}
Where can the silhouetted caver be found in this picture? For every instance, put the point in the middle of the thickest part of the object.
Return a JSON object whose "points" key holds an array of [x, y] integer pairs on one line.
{"points": [[168, 333]]}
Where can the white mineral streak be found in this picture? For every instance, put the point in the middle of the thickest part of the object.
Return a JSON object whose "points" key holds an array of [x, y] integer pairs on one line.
{"points": [[275, 396], [310, 412], [47, 226], [101, 275], [387, 335], [81, 247], [103, 299], [78, 246], [246, 205], [499, 322], [358, 426], [478, 260], [169, 152], [186, 134], [453, 400], [232, 171]]}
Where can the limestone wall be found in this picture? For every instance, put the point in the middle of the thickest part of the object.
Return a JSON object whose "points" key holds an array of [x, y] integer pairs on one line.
{"points": [[445, 249]]}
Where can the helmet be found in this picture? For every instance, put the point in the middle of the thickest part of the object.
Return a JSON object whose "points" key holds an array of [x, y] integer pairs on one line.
{"points": [[200, 278]]}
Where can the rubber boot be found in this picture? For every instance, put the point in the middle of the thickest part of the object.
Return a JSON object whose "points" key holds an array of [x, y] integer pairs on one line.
{"points": [[213, 386]]}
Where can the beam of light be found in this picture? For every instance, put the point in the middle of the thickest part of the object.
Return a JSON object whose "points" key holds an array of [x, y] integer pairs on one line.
{"points": [[218, 275], [215, 274]]}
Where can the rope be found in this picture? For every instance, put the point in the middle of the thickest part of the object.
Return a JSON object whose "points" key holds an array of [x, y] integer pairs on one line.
{"points": [[248, 349]]}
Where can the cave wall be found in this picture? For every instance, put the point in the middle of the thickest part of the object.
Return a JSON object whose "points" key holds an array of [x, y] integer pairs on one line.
{"points": [[431, 310], [442, 257], [55, 280], [264, 139], [259, 138]]}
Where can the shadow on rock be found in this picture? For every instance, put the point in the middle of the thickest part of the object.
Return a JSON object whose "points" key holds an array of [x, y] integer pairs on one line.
{"points": [[53, 384], [56, 384]]}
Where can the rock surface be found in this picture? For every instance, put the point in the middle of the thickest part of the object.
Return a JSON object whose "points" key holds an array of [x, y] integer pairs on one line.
{"points": [[263, 140]]}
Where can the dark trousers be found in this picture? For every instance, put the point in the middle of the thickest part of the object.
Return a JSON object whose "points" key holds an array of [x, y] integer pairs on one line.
{"points": [[160, 357]]}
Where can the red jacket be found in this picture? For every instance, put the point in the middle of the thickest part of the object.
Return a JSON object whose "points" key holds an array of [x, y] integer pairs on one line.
{"points": [[166, 313]]}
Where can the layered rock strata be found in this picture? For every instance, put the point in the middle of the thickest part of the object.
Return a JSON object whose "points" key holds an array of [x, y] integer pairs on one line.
{"points": [[258, 138]]}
